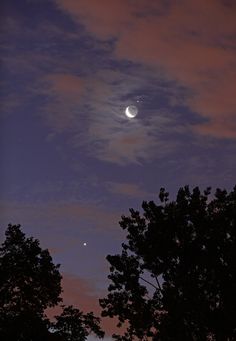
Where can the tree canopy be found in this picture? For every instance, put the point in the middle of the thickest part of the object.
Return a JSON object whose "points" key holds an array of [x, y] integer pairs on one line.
{"points": [[175, 278], [30, 283], [73, 325]]}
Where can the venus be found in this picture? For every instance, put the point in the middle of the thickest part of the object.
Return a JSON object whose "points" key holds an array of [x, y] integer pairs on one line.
{"points": [[131, 111]]}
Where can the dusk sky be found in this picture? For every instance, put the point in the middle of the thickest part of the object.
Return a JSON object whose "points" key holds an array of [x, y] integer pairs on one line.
{"points": [[72, 162]]}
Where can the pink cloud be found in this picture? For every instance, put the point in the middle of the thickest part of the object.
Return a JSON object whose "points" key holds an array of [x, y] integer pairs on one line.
{"points": [[128, 189], [66, 85], [105, 18], [53, 213], [65, 92], [82, 294], [192, 42]]}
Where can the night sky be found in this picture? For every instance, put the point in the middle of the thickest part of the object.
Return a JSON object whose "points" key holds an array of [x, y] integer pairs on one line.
{"points": [[71, 161]]}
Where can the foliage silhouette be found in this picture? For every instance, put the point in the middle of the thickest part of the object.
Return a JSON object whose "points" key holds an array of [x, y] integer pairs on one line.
{"points": [[73, 325], [175, 278], [30, 283]]}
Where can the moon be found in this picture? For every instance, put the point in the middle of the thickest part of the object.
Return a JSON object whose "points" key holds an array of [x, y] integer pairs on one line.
{"points": [[131, 111]]}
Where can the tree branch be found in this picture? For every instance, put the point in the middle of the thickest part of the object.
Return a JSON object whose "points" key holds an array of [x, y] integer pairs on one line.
{"points": [[158, 283], [148, 282]]}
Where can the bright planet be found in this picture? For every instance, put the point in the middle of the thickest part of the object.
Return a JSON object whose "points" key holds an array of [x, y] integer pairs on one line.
{"points": [[131, 111]]}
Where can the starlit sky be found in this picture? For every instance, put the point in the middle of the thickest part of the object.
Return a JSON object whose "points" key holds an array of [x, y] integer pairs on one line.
{"points": [[71, 161]]}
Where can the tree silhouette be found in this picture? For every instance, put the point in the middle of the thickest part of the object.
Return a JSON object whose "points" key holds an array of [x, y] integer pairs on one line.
{"points": [[73, 325], [30, 283], [175, 278]]}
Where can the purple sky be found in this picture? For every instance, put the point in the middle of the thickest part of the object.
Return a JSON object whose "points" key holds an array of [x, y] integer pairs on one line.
{"points": [[71, 161]]}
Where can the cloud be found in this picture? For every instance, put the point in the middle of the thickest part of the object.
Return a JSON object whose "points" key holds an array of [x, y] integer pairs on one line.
{"points": [[27, 55], [123, 142], [99, 102], [81, 293], [64, 92], [81, 91], [100, 17], [172, 54], [57, 213], [69, 86], [127, 189], [192, 41]]}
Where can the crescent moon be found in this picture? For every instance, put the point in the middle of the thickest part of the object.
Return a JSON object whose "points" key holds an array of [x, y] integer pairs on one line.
{"points": [[131, 111]]}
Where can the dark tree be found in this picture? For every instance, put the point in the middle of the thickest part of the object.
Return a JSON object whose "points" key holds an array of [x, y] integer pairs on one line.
{"points": [[176, 276], [29, 283], [73, 325]]}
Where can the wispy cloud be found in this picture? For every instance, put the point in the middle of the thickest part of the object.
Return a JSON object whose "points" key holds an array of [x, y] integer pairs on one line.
{"points": [[128, 190], [171, 54], [85, 94], [99, 102], [194, 43], [57, 213]]}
